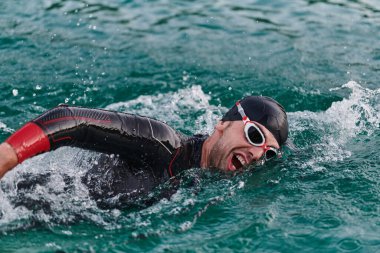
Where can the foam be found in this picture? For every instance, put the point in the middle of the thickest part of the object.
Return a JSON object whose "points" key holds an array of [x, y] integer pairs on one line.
{"points": [[341, 123], [187, 109], [4, 128]]}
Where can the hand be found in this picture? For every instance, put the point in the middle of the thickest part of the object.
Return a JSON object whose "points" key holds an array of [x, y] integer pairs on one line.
{"points": [[8, 158]]}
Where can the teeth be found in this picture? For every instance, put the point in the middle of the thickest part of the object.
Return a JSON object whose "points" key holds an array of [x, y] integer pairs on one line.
{"points": [[241, 159]]}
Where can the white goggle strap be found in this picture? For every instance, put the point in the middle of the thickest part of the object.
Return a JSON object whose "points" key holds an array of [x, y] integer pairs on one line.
{"points": [[242, 113]]}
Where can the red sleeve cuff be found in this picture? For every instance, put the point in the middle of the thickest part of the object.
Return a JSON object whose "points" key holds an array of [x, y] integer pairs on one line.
{"points": [[29, 141]]}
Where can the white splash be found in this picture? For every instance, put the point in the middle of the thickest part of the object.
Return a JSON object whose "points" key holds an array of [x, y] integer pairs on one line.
{"points": [[53, 191], [4, 128], [339, 124], [178, 109]]}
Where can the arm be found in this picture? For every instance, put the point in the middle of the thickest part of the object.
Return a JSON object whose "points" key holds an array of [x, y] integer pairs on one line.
{"points": [[100, 130]]}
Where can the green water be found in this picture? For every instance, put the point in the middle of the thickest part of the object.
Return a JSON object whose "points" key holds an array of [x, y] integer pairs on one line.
{"points": [[186, 62]]}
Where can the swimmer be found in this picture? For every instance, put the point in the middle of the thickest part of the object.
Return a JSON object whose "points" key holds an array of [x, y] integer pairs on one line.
{"points": [[148, 152]]}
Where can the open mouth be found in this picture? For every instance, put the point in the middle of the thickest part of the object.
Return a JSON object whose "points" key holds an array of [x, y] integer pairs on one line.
{"points": [[237, 161]]}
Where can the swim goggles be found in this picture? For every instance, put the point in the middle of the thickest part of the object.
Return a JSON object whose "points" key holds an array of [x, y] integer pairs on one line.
{"points": [[256, 137]]}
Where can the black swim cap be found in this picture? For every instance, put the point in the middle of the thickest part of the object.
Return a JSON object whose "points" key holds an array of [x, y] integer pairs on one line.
{"points": [[266, 111]]}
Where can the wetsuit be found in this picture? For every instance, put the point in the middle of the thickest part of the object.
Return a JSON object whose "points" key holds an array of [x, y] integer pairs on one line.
{"points": [[140, 153]]}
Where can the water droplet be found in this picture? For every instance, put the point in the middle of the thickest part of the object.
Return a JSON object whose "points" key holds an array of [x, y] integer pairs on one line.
{"points": [[116, 212], [67, 232]]}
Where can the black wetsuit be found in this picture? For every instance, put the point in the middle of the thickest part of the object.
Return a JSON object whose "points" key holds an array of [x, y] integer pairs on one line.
{"points": [[140, 152]]}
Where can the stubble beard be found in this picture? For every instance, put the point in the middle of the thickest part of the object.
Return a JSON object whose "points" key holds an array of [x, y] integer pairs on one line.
{"points": [[214, 158]]}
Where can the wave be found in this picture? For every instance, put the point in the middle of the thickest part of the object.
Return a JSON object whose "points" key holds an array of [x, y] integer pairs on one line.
{"points": [[187, 109], [324, 135]]}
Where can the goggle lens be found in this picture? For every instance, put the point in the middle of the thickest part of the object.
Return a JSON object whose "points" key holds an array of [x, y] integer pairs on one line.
{"points": [[254, 134], [270, 154]]}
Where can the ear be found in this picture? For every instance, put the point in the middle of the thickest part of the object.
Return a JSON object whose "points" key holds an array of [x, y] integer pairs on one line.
{"points": [[221, 125]]}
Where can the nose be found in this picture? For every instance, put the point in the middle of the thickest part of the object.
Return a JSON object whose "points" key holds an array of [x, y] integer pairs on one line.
{"points": [[256, 153]]}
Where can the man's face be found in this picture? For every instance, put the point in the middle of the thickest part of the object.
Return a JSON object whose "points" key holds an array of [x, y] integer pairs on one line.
{"points": [[232, 150]]}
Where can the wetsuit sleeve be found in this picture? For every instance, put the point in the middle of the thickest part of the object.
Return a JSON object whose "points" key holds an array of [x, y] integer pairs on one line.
{"points": [[93, 129]]}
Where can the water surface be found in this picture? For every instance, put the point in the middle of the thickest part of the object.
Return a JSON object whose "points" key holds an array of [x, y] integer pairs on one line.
{"points": [[186, 63]]}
